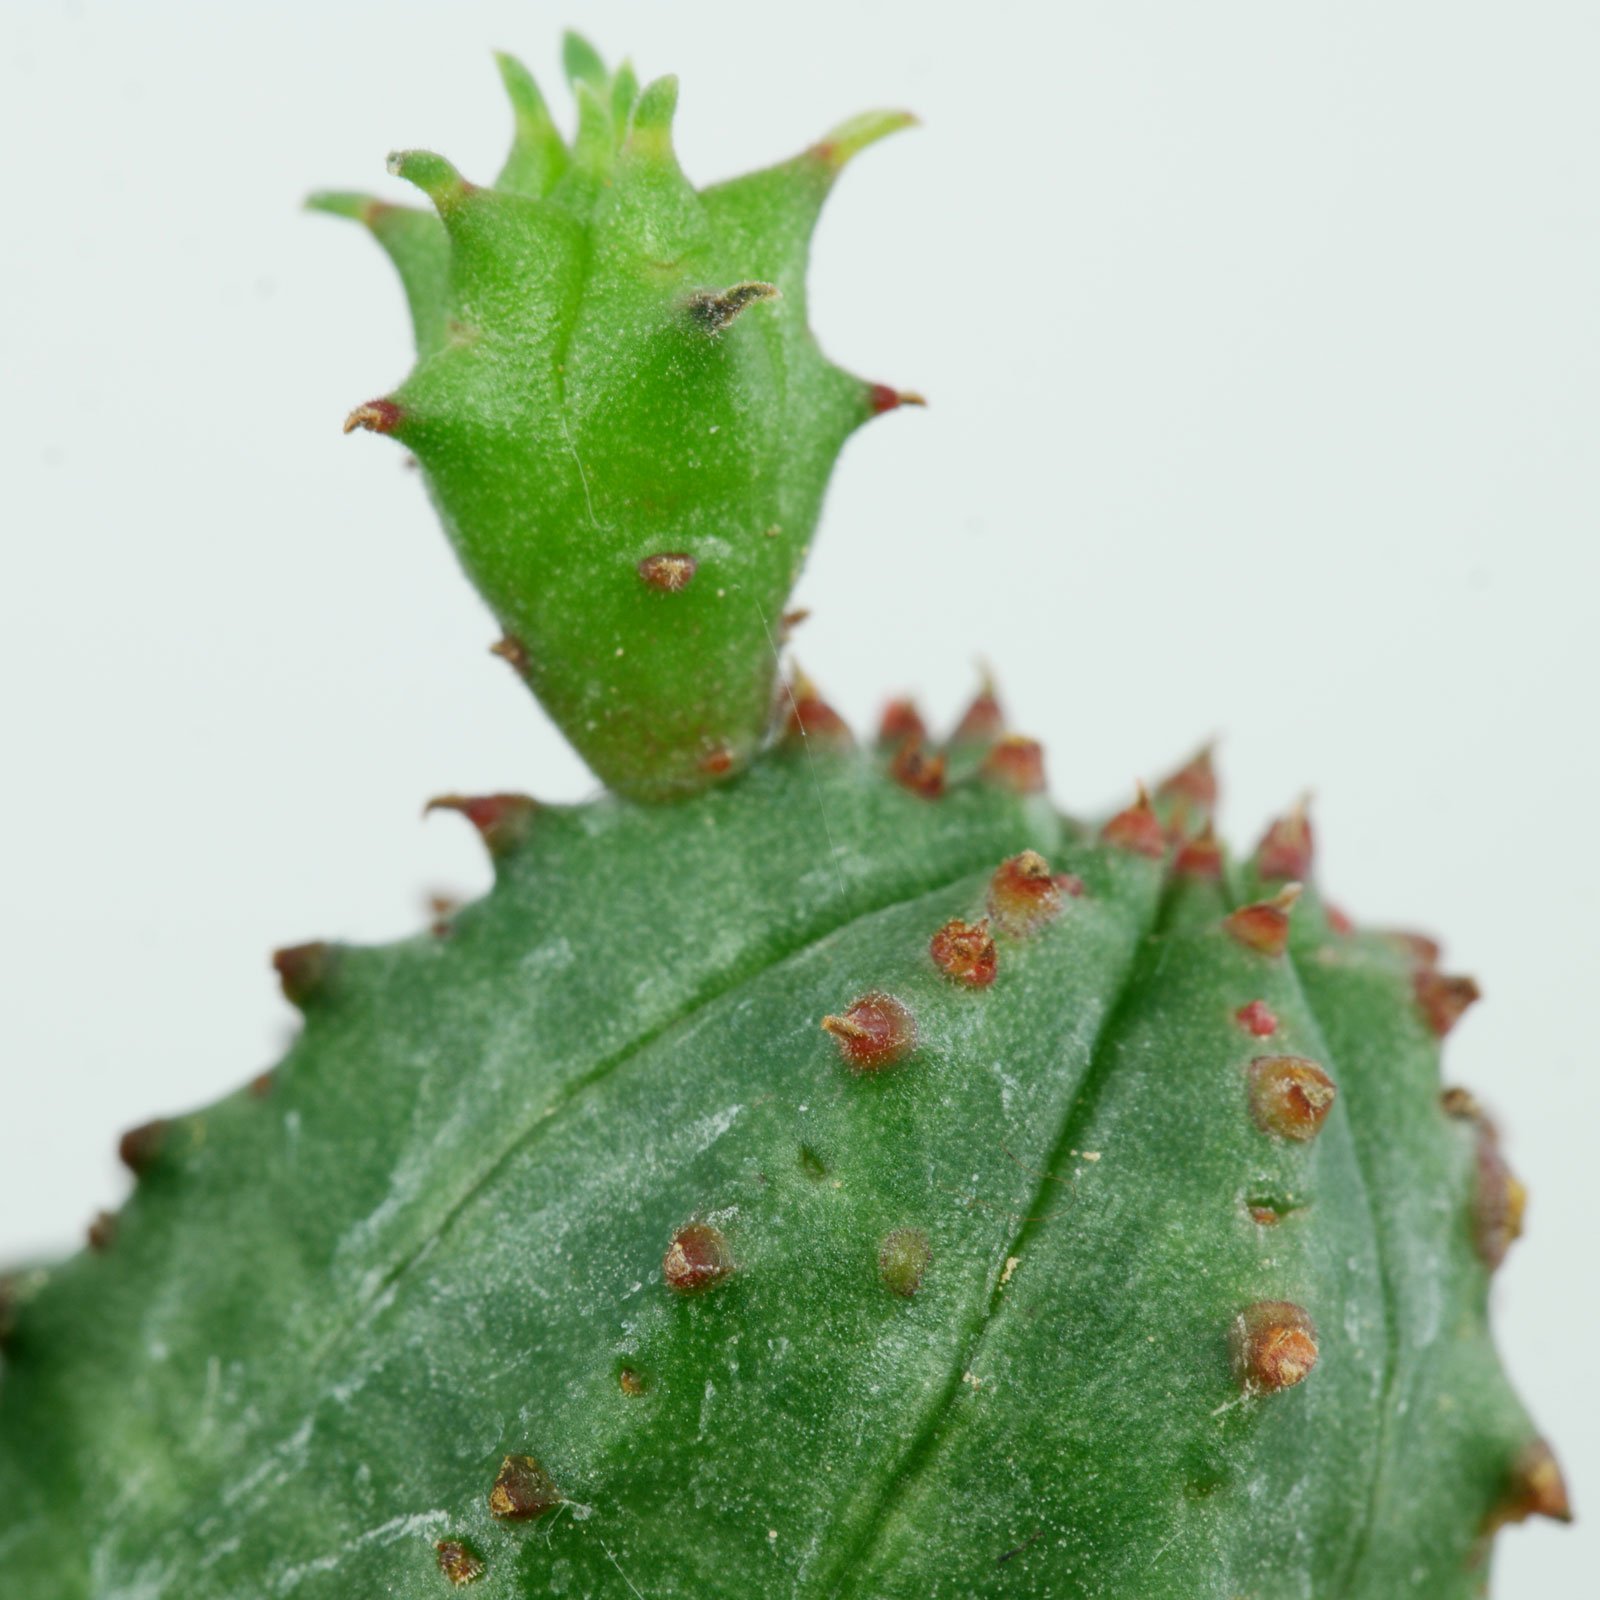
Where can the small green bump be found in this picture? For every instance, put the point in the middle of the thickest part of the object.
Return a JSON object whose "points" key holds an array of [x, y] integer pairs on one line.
{"points": [[538, 154], [624, 91], [903, 1258], [594, 145], [812, 1164], [581, 62], [650, 129]]}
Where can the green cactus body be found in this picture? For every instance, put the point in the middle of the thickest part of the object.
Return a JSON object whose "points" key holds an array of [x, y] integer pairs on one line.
{"points": [[852, 1180]]}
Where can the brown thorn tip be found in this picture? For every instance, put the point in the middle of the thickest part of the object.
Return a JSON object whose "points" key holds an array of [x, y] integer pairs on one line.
{"points": [[1287, 846], [139, 1147], [1137, 829], [1274, 1346], [102, 1231], [697, 1258], [522, 1491], [1195, 782], [376, 416], [1444, 999], [457, 1562], [713, 310], [502, 820], [1199, 857], [811, 718], [1264, 927], [303, 969], [1290, 1096], [513, 651], [1536, 1488], [668, 573], [882, 397], [876, 1031]]}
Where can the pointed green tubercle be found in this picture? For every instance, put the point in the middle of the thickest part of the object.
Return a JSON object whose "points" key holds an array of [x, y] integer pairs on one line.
{"points": [[575, 413]]}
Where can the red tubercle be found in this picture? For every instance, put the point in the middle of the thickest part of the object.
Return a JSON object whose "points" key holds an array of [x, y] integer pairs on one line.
{"points": [[1274, 1346], [1340, 922], [983, 721], [1264, 927], [1024, 894], [375, 416], [1137, 829], [882, 397], [1444, 998], [1287, 847], [965, 952], [914, 769], [716, 762], [1290, 1096], [522, 1491], [1420, 949], [875, 1032], [901, 722], [811, 718], [1194, 785], [1015, 763], [502, 820], [139, 1148], [1200, 858], [1257, 1018], [1070, 884], [303, 970], [697, 1258], [670, 572]]}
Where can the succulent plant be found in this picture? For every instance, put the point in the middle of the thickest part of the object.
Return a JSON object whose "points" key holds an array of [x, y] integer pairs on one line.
{"points": [[994, 1204]]}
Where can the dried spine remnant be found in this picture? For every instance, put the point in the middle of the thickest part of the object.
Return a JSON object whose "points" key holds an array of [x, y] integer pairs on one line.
{"points": [[631, 1383], [376, 416], [522, 1491], [1274, 1346], [1023, 895], [1015, 763], [139, 1147], [1264, 926], [915, 769], [875, 1032], [1137, 829], [303, 970], [1444, 999], [502, 820], [669, 572], [965, 952], [1290, 1096], [1257, 1018], [714, 311], [1285, 850], [883, 397], [1535, 1487], [812, 719], [102, 1232], [903, 1258], [697, 1258], [457, 1562]]}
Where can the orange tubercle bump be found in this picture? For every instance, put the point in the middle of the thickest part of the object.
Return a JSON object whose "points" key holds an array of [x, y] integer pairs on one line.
{"points": [[1137, 828], [901, 723], [875, 1032], [965, 952], [1023, 894], [668, 573], [915, 769], [1444, 999], [1264, 927], [1286, 847], [1200, 858], [1274, 1346], [1015, 763], [1290, 1096], [697, 1258], [1257, 1018]]}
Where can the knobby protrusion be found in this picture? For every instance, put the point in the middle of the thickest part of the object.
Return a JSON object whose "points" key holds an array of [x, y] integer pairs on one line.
{"points": [[881, 397], [1192, 789], [1015, 763], [304, 970], [713, 310], [901, 724], [102, 1231], [697, 1258], [503, 821], [875, 1032], [632, 1382], [983, 721], [1444, 998], [139, 1148], [1286, 848], [918, 770], [1023, 894], [1264, 926], [1257, 1018], [671, 572], [1137, 829], [903, 1258], [458, 1564], [1534, 1487], [513, 652], [965, 952], [1274, 1346], [522, 1491], [1290, 1096], [376, 416], [1199, 858], [812, 719]]}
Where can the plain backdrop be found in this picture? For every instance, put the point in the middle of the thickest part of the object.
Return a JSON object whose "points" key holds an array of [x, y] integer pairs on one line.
{"points": [[1263, 348]]}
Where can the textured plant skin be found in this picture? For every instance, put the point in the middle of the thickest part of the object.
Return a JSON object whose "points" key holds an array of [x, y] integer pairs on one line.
{"points": [[853, 1180], [621, 415]]}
